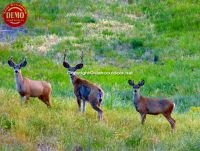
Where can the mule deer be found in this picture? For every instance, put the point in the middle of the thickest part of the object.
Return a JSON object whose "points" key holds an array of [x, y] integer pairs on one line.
{"points": [[84, 90], [151, 106], [30, 88]]}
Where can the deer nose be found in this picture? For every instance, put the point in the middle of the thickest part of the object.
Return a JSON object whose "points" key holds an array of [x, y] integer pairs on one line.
{"points": [[71, 73], [16, 71], [135, 90]]}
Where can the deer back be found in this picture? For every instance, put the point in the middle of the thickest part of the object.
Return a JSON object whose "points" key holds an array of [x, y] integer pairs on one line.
{"points": [[34, 88], [86, 90], [157, 106]]}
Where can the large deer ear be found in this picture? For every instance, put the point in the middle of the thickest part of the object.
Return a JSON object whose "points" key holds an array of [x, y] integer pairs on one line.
{"points": [[65, 64], [11, 63], [141, 83], [130, 82], [79, 66], [23, 63]]}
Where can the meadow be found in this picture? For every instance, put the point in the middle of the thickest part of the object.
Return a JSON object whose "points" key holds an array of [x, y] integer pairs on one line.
{"points": [[116, 36]]}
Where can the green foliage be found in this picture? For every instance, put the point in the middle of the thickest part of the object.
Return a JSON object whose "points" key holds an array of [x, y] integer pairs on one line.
{"points": [[15, 147], [135, 139], [184, 103], [5, 122], [85, 19], [136, 43]]}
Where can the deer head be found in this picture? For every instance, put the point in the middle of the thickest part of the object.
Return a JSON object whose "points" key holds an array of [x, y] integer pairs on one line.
{"points": [[15, 66], [136, 87], [72, 70]]}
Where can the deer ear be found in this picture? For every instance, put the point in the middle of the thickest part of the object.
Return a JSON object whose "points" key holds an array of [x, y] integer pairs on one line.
{"points": [[130, 82], [79, 66], [23, 64], [65, 64], [11, 63], [141, 83]]}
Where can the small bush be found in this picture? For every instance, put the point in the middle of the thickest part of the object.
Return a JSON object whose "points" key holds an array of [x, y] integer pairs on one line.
{"points": [[85, 19], [136, 43], [5, 122], [88, 19]]}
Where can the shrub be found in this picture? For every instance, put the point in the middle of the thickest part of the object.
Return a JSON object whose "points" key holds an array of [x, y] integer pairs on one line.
{"points": [[6, 122], [136, 43]]}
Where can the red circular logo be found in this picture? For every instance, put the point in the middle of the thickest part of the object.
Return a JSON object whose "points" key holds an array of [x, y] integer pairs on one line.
{"points": [[14, 15]]}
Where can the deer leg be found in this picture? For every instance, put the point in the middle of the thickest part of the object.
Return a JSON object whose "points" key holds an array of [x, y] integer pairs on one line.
{"points": [[83, 106], [143, 117], [23, 99], [79, 104], [100, 112], [48, 104], [26, 98], [173, 121], [170, 120], [47, 101]]}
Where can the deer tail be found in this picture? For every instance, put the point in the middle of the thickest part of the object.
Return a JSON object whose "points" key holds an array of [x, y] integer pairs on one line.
{"points": [[174, 105], [100, 96]]}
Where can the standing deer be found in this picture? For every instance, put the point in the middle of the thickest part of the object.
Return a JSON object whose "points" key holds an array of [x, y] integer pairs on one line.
{"points": [[30, 88], [84, 90], [151, 106]]}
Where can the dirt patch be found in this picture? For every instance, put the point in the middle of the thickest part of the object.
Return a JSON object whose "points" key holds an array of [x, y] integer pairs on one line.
{"points": [[106, 29], [43, 44], [50, 41]]}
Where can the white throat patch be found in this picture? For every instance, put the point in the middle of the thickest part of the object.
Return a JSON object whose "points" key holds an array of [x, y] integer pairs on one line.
{"points": [[71, 73]]}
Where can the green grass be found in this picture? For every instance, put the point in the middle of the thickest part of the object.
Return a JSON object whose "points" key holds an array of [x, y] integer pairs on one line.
{"points": [[116, 36], [63, 127]]}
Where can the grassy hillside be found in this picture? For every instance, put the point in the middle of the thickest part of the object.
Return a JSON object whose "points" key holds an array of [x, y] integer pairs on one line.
{"points": [[116, 36], [64, 128]]}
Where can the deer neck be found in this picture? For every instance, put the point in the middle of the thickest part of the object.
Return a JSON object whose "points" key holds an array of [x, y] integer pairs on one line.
{"points": [[136, 97], [19, 81], [73, 78]]}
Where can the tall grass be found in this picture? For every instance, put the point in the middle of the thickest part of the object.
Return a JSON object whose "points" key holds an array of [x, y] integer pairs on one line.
{"points": [[64, 128]]}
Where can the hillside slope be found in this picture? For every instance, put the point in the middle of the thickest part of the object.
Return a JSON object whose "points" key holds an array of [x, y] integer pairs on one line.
{"points": [[116, 36]]}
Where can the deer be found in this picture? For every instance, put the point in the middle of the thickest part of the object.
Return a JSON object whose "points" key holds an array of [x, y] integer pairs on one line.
{"points": [[84, 90], [30, 88], [151, 106]]}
